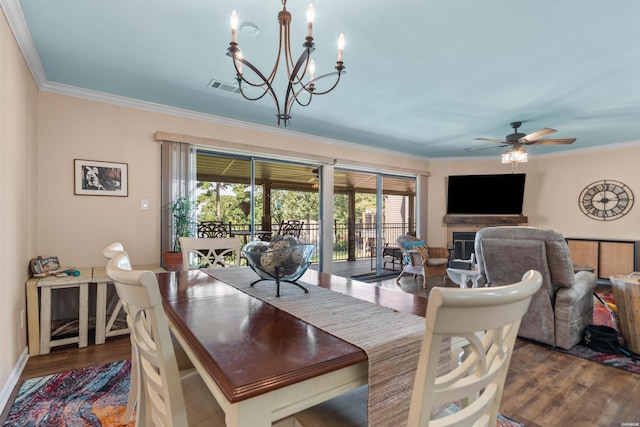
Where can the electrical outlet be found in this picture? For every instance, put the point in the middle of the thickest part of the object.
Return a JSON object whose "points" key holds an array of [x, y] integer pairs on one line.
{"points": [[21, 319]]}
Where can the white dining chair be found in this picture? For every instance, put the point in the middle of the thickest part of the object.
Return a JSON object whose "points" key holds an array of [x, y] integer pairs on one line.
{"points": [[184, 364], [210, 252], [167, 398], [488, 319]]}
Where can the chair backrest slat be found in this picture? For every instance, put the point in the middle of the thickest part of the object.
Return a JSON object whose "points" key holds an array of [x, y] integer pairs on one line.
{"points": [[488, 319], [214, 229], [163, 401], [210, 253]]}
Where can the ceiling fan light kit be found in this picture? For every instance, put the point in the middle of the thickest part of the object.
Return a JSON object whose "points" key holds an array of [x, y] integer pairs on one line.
{"points": [[297, 90], [518, 155], [517, 141]]}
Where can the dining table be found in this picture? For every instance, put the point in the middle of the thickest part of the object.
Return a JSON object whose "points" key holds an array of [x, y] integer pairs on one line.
{"points": [[265, 358]]}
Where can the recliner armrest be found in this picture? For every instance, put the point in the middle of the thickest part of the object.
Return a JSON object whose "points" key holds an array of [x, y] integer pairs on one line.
{"points": [[585, 284]]}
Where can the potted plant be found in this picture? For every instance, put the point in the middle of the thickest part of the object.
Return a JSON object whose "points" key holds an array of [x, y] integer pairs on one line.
{"points": [[183, 211]]}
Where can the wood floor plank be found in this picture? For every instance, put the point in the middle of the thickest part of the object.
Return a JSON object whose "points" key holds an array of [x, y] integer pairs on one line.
{"points": [[549, 406], [71, 357]]}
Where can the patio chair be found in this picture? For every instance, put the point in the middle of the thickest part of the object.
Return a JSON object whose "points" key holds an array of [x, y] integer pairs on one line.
{"points": [[422, 260], [290, 227], [210, 253], [166, 397], [287, 227], [488, 319], [214, 229]]}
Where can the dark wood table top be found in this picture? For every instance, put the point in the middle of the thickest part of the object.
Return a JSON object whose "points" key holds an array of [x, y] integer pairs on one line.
{"points": [[250, 347], [395, 299]]}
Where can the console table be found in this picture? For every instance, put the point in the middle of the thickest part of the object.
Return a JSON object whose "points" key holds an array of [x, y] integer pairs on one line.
{"points": [[38, 290], [105, 327], [39, 310]]}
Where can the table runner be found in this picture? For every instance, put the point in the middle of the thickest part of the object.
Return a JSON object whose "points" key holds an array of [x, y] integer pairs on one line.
{"points": [[392, 340]]}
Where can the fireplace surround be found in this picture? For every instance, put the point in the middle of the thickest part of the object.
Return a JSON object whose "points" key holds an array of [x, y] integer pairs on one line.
{"points": [[463, 242], [461, 230]]}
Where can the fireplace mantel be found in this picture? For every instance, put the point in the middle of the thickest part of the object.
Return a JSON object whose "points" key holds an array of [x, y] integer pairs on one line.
{"points": [[485, 220]]}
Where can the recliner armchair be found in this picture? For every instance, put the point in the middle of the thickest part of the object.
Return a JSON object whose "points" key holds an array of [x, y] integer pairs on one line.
{"points": [[563, 306]]}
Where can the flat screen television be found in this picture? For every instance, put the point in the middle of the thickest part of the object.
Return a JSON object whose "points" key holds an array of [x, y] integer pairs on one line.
{"points": [[501, 194]]}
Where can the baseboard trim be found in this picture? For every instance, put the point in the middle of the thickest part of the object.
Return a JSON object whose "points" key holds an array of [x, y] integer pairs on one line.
{"points": [[7, 390]]}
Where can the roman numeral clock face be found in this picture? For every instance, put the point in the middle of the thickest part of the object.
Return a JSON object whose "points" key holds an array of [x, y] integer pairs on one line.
{"points": [[606, 200]]}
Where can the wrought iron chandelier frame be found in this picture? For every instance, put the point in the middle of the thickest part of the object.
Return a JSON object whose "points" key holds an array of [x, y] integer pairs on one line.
{"points": [[295, 87]]}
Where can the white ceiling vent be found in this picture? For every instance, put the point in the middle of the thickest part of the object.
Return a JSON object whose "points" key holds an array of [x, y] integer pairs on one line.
{"points": [[223, 86]]}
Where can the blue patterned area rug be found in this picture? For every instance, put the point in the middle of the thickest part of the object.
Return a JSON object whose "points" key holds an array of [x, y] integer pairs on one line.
{"points": [[94, 396], [503, 421]]}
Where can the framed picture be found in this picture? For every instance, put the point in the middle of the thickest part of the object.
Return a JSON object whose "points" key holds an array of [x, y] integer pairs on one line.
{"points": [[94, 178]]}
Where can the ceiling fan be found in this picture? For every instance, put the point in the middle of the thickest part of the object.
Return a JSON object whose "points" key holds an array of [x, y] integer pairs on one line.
{"points": [[517, 140]]}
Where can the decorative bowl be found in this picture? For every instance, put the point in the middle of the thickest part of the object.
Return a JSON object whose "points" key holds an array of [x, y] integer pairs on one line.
{"points": [[283, 259]]}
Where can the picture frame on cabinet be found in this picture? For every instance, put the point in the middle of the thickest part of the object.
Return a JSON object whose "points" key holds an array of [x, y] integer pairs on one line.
{"points": [[98, 178]]}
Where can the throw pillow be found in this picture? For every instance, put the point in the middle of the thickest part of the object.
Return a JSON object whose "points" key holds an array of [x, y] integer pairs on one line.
{"points": [[410, 245], [413, 245]]}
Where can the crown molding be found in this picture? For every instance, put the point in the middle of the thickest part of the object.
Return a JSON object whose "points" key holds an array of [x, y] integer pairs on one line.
{"points": [[16, 20], [92, 95], [18, 25]]}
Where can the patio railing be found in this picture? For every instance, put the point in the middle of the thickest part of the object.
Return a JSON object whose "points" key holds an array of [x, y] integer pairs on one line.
{"points": [[364, 236]]}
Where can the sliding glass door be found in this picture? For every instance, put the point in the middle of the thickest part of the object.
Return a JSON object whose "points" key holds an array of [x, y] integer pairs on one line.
{"points": [[255, 196], [371, 211]]}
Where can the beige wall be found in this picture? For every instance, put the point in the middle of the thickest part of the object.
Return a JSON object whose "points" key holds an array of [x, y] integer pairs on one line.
{"points": [[18, 196], [552, 187], [76, 228]]}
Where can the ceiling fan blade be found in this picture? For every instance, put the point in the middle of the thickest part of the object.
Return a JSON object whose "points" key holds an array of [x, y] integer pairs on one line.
{"points": [[552, 141], [486, 148], [490, 140], [537, 135]]}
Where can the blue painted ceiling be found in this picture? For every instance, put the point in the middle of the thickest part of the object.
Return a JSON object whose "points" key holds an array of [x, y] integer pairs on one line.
{"points": [[423, 77]]}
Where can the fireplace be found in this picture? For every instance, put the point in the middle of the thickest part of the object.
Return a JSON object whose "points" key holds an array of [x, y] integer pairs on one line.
{"points": [[461, 230], [463, 242]]}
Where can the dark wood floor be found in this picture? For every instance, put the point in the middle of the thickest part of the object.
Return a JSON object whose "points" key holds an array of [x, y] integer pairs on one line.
{"points": [[544, 388]]}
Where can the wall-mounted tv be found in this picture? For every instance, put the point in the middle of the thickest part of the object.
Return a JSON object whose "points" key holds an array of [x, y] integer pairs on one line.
{"points": [[501, 194]]}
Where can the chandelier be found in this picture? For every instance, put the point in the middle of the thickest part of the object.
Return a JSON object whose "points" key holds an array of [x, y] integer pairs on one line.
{"points": [[298, 90], [515, 155]]}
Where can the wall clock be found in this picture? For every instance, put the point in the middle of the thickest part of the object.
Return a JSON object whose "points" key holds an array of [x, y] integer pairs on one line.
{"points": [[606, 200]]}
